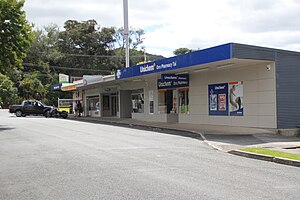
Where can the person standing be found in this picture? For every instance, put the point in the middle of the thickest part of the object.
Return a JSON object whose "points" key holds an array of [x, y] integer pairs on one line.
{"points": [[79, 108]]}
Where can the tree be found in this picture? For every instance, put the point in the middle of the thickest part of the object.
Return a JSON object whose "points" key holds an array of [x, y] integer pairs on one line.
{"points": [[86, 47], [8, 93], [181, 51], [136, 38], [44, 50], [15, 35], [31, 87]]}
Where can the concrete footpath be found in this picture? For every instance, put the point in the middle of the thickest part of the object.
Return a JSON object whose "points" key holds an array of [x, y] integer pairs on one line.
{"points": [[224, 138]]}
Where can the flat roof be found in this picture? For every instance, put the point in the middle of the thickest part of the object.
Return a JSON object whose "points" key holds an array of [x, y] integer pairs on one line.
{"points": [[213, 54]]}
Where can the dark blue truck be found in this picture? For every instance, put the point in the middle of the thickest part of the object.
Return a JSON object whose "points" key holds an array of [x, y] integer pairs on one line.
{"points": [[33, 107]]}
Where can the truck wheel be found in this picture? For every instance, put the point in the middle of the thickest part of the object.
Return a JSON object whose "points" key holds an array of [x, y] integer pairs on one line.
{"points": [[64, 114], [47, 114], [19, 113]]}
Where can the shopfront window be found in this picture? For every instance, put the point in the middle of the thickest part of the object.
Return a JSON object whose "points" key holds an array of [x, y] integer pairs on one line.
{"points": [[167, 101], [183, 95], [93, 103], [137, 98]]}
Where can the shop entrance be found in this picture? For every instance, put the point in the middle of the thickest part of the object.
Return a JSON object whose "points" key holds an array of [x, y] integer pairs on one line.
{"points": [[169, 100], [110, 105], [114, 105], [106, 105]]}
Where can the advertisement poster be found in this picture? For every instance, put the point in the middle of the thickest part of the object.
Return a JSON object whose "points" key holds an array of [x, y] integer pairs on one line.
{"points": [[217, 99], [236, 99], [151, 102], [222, 102]]}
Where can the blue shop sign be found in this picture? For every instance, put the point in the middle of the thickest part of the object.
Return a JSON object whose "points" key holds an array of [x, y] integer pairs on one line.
{"points": [[169, 77], [56, 87], [218, 53], [173, 81]]}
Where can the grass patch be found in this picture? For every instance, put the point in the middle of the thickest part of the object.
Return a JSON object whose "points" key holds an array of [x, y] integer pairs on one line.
{"points": [[273, 153]]}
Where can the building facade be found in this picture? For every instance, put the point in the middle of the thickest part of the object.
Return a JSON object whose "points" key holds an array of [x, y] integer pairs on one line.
{"points": [[231, 84]]}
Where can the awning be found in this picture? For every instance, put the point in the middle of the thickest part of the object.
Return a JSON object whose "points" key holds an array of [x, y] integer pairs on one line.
{"points": [[63, 87], [68, 87]]}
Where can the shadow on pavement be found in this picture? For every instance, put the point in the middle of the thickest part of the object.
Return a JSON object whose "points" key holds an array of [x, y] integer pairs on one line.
{"points": [[235, 139], [250, 139], [2, 128], [144, 128]]}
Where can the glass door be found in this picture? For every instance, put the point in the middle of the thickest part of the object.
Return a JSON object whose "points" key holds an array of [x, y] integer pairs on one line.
{"points": [[114, 105]]}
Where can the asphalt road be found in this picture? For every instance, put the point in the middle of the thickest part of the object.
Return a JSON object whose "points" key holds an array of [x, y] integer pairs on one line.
{"points": [[62, 159]]}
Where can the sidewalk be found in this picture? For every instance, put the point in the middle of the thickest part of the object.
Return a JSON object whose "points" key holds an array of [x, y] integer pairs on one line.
{"points": [[224, 138]]}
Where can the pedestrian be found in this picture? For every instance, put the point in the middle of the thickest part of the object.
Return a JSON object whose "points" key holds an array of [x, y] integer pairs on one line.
{"points": [[79, 108], [76, 108]]}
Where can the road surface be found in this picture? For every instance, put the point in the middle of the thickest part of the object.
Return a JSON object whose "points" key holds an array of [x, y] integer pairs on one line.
{"points": [[44, 158]]}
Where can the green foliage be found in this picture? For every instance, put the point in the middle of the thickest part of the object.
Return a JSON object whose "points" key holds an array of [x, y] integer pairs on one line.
{"points": [[181, 51], [273, 153], [31, 87], [8, 93], [15, 35], [44, 51], [31, 60], [86, 47], [136, 37]]}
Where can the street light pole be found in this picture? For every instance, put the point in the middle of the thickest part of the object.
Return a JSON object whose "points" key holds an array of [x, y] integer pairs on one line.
{"points": [[126, 31]]}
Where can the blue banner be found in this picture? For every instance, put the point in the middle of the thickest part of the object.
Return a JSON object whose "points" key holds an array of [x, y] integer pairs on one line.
{"points": [[217, 99], [218, 53]]}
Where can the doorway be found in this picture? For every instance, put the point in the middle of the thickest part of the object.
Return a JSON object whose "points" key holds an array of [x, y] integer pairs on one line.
{"points": [[169, 100], [106, 105], [110, 105], [114, 105]]}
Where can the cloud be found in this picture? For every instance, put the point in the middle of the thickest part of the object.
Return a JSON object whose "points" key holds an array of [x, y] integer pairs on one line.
{"points": [[267, 16], [196, 24], [42, 12]]}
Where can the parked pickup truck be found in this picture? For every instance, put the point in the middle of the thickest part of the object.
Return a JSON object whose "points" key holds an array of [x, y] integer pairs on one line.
{"points": [[34, 107]]}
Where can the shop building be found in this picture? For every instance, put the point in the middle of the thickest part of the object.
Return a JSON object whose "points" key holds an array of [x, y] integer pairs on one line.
{"points": [[231, 84]]}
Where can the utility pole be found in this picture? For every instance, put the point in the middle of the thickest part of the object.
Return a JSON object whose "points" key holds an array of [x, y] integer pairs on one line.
{"points": [[145, 56], [126, 31]]}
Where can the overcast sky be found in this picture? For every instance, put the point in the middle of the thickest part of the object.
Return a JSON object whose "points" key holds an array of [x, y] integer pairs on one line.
{"points": [[196, 24]]}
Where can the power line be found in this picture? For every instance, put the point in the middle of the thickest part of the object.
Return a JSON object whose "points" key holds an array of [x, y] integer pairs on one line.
{"points": [[102, 56], [67, 68]]}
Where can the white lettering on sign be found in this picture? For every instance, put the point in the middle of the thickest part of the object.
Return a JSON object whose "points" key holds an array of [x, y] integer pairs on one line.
{"points": [[170, 77], [165, 84], [147, 68], [168, 65], [220, 87]]}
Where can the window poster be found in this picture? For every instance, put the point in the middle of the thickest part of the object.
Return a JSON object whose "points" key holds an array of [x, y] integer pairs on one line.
{"points": [[217, 99], [236, 98], [151, 101]]}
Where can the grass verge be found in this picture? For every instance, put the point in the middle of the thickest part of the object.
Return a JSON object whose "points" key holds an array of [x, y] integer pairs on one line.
{"points": [[273, 153]]}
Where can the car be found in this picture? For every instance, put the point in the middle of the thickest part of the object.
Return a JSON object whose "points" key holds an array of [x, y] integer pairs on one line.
{"points": [[33, 107]]}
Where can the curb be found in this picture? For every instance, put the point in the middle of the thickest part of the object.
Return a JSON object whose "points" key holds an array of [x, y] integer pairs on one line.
{"points": [[284, 161], [185, 133], [197, 135]]}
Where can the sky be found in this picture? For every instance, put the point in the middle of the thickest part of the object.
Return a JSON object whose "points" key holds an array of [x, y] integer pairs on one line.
{"points": [[194, 24]]}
